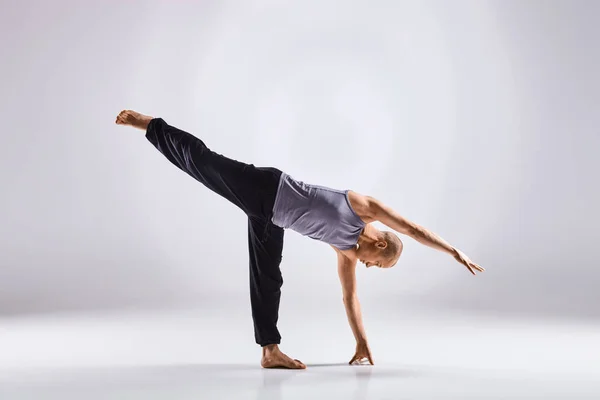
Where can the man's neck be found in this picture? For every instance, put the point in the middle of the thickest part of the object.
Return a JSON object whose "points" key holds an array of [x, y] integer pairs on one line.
{"points": [[369, 234]]}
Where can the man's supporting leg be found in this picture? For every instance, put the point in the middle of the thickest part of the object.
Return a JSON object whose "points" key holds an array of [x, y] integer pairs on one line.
{"points": [[265, 279], [265, 290]]}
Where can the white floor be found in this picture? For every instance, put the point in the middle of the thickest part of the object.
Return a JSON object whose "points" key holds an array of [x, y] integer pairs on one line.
{"points": [[199, 354]]}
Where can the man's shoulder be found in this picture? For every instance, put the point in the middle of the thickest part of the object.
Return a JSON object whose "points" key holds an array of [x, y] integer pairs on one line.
{"points": [[363, 205], [345, 254]]}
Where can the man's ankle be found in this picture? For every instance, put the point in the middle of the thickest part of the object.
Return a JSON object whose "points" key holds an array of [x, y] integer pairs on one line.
{"points": [[270, 348]]}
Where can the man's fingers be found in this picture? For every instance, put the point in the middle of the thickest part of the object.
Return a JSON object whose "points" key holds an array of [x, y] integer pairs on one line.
{"points": [[369, 356], [468, 263], [477, 267], [465, 261], [359, 360]]}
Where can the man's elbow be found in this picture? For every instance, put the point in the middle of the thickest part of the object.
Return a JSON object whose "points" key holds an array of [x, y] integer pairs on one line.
{"points": [[349, 299], [412, 230], [415, 231]]}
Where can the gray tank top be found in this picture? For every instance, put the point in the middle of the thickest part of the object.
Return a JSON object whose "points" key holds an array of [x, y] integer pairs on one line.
{"points": [[318, 212]]}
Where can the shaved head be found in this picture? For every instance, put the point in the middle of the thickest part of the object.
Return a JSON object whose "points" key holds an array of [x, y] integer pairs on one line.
{"points": [[379, 248], [394, 247]]}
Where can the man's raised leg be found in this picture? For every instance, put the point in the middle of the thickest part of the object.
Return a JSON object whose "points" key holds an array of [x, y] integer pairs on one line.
{"points": [[250, 188]]}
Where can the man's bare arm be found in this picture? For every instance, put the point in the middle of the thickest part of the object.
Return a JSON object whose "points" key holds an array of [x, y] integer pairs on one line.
{"points": [[347, 275], [389, 217]]}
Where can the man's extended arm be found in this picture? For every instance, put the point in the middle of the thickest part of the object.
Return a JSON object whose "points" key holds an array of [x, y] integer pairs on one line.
{"points": [[387, 216]]}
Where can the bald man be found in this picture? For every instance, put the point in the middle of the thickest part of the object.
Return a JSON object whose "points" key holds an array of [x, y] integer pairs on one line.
{"points": [[274, 201]]}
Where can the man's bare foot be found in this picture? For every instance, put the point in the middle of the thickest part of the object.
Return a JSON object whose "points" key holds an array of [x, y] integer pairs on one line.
{"points": [[273, 358], [133, 118]]}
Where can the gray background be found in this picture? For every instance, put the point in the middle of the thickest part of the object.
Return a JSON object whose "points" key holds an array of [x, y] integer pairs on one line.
{"points": [[476, 119]]}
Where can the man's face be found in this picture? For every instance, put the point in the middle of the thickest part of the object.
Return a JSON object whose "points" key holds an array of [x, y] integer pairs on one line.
{"points": [[371, 256]]}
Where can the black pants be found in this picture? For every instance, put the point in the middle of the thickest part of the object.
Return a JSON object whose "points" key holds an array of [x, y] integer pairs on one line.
{"points": [[253, 190]]}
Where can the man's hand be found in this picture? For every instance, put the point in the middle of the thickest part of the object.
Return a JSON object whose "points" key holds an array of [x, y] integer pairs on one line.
{"points": [[362, 352], [464, 260]]}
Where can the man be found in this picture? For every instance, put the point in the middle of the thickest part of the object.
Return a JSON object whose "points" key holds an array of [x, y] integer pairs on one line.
{"points": [[274, 201]]}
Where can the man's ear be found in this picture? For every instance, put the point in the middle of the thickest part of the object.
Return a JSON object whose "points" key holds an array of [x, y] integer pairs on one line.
{"points": [[382, 244]]}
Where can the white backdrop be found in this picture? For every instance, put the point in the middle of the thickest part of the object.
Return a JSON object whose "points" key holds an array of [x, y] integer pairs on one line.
{"points": [[476, 119]]}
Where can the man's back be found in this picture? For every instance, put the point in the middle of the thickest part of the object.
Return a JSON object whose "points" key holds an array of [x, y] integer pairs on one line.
{"points": [[318, 212]]}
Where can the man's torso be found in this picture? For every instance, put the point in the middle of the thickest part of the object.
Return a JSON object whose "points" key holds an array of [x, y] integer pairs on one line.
{"points": [[321, 213]]}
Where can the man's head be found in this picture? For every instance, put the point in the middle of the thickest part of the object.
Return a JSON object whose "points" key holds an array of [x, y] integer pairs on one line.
{"points": [[383, 252]]}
